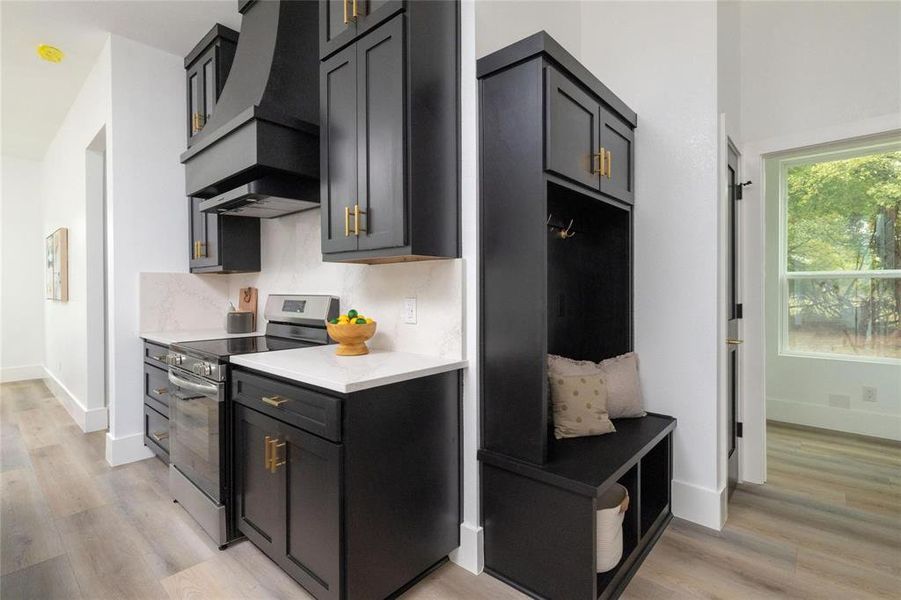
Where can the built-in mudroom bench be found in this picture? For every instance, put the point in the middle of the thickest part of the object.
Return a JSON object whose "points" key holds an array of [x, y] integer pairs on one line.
{"points": [[557, 195]]}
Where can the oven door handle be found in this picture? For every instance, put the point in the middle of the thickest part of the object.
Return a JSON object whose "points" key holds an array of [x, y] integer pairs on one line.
{"points": [[200, 388]]}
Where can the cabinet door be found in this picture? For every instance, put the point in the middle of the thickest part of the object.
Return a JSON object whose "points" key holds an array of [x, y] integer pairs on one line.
{"points": [[195, 100], [204, 240], [616, 140], [210, 87], [259, 493], [571, 131], [338, 148], [337, 25], [372, 12], [381, 153], [313, 508]]}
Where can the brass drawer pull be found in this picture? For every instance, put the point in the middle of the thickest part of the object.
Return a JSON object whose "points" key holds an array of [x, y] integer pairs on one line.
{"points": [[274, 400], [734, 342], [161, 391], [600, 157], [355, 13], [160, 436], [609, 164], [346, 221], [161, 357], [266, 450]]}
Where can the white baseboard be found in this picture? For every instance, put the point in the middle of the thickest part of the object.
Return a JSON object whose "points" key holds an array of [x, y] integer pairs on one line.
{"points": [[470, 555], [699, 505], [127, 449], [93, 419], [836, 419], [9, 374]]}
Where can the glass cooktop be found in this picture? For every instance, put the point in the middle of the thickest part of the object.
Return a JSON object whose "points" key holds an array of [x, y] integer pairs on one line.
{"points": [[223, 348]]}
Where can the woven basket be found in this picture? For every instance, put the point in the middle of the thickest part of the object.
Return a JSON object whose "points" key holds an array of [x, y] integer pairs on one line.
{"points": [[612, 507]]}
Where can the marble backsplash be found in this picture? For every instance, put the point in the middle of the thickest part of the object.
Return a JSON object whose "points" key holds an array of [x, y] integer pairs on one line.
{"points": [[182, 301], [292, 264]]}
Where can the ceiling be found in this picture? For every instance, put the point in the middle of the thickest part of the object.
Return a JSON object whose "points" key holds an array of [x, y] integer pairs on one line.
{"points": [[37, 94]]}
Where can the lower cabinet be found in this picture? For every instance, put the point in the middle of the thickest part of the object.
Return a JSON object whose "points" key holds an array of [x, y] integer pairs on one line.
{"points": [[288, 500], [352, 495], [156, 400]]}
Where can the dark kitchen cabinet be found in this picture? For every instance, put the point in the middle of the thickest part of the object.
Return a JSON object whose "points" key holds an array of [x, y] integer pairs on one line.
{"points": [[389, 134], [156, 400], [320, 480], [218, 244], [341, 21], [206, 69], [585, 142], [221, 243]]}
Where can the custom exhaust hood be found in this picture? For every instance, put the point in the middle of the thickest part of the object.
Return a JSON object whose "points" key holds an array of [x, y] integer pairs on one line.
{"points": [[258, 155]]}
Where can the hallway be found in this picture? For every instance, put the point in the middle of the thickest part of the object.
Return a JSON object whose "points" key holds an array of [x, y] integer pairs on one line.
{"points": [[828, 525]]}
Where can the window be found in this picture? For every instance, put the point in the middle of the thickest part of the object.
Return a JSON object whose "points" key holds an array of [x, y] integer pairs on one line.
{"points": [[840, 268]]}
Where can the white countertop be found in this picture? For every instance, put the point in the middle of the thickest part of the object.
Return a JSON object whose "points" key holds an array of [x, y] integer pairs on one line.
{"points": [[320, 366], [171, 337]]}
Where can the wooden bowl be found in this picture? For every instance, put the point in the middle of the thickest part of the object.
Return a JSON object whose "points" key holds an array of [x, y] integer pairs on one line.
{"points": [[351, 338]]}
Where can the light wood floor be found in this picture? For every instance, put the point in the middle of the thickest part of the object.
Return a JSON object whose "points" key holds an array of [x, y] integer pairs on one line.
{"points": [[828, 525]]}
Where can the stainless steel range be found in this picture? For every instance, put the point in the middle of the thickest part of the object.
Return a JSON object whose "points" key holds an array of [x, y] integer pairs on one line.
{"points": [[200, 416]]}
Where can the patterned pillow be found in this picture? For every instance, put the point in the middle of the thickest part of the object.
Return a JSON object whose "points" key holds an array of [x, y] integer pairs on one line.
{"points": [[580, 406], [620, 373]]}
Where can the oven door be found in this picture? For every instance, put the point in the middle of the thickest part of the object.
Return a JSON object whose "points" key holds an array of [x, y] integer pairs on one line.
{"points": [[196, 424]]}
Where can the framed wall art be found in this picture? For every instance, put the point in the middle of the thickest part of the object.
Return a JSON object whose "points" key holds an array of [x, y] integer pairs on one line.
{"points": [[56, 270]]}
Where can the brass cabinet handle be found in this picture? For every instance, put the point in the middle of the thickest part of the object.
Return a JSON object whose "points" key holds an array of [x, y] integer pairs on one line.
{"points": [[600, 156], [346, 20], [266, 451], [161, 391], [609, 164], [197, 122], [357, 213], [734, 342], [159, 436], [274, 463], [161, 358], [273, 400], [346, 221], [355, 13]]}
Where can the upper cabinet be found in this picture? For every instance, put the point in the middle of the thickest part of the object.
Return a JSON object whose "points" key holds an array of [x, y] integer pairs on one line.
{"points": [[586, 141], [342, 21], [206, 69], [389, 147]]}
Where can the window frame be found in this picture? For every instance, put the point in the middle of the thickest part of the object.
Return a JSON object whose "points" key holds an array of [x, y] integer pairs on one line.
{"points": [[784, 275]]}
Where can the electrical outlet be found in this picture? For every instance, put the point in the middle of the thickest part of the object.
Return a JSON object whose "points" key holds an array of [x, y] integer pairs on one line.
{"points": [[410, 311], [869, 394], [840, 400]]}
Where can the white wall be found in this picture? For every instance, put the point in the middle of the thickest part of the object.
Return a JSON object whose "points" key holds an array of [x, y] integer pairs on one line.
{"points": [[147, 216], [22, 284], [134, 95], [64, 204], [660, 58], [811, 74]]}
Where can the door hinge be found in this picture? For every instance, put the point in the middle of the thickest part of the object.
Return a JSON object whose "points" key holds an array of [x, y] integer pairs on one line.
{"points": [[739, 430], [738, 311]]}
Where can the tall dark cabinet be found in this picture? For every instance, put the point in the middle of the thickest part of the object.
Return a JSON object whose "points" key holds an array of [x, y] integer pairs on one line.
{"points": [[218, 244], [389, 120], [556, 153]]}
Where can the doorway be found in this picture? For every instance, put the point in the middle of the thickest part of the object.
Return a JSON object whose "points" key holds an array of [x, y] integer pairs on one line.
{"points": [[97, 261], [733, 313]]}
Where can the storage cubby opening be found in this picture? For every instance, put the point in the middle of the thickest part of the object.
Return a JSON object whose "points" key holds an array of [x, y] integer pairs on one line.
{"points": [[589, 275], [655, 485], [631, 533]]}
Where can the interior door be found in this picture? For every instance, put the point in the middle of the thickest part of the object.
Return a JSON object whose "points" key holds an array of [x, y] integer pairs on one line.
{"points": [[571, 131], [259, 493], [616, 143], [338, 149], [734, 309], [313, 507], [381, 153]]}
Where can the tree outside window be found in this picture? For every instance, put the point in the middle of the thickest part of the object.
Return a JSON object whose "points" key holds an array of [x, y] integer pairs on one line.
{"points": [[841, 268]]}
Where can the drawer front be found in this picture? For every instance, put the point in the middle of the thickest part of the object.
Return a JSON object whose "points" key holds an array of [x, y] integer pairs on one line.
{"points": [[308, 410], [157, 406], [156, 384], [156, 431], [155, 354]]}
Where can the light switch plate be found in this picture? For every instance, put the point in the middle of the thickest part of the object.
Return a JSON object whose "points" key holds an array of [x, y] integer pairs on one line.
{"points": [[410, 311]]}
